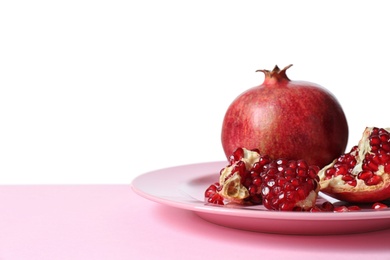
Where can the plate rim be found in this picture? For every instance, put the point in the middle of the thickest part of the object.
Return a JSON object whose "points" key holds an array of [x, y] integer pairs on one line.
{"points": [[243, 212]]}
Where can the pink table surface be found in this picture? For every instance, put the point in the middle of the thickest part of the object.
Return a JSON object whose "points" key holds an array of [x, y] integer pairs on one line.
{"points": [[112, 222]]}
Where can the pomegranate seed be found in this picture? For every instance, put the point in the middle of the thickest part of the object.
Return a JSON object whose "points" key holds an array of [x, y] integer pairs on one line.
{"points": [[257, 181], [301, 193], [292, 164], [348, 177], [256, 167], [353, 208], [374, 180], [313, 171], [252, 190], [281, 161], [375, 130], [385, 146], [384, 136], [387, 167], [265, 191], [376, 159], [352, 183], [237, 155], [341, 170], [384, 158], [211, 190], [216, 199], [264, 160], [365, 175], [379, 205], [375, 140], [369, 164], [375, 149], [330, 172], [327, 206], [340, 209], [281, 182], [315, 209], [302, 164]]}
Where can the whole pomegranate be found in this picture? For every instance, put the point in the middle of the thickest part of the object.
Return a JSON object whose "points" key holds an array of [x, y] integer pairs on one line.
{"points": [[363, 174], [286, 119]]}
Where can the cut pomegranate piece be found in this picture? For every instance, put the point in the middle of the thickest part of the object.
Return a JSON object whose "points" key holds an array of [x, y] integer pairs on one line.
{"points": [[279, 184], [363, 174], [290, 185]]}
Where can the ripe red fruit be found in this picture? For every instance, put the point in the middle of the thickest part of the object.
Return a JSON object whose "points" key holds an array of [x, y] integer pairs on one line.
{"points": [[286, 119], [363, 174]]}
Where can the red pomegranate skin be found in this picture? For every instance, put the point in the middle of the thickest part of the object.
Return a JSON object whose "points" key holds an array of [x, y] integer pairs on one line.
{"points": [[286, 119]]}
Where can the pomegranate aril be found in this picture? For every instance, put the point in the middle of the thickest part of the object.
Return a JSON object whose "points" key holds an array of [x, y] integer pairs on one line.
{"points": [[289, 171], [387, 167], [301, 172], [384, 158], [257, 167], [348, 177], [330, 172], [376, 159], [281, 161], [374, 140], [341, 209], [352, 183], [365, 175], [315, 209], [211, 190], [237, 155], [301, 193], [292, 164], [354, 208], [287, 206], [369, 164], [327, 206], [384, 136], [313, 172], [341, 170], [257, 181], [295, 182], [374, 180], [252, 190], [302, 164], [281, 182], [264, 160], [379, 205], [216, 199], [385, 146], [375, 149]]}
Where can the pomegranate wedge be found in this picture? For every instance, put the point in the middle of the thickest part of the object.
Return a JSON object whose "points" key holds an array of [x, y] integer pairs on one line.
{"points": [[363, 174]]}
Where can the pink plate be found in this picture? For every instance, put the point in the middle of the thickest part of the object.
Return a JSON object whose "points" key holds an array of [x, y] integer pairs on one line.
{"points": [[183, 187]]}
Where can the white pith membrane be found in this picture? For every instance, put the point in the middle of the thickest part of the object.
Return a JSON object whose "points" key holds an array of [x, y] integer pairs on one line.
{"points": [[335, 185], [233, 191]]}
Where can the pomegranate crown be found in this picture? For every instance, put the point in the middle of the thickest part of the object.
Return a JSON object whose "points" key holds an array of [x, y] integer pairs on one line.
{"points": [[276, 73]]}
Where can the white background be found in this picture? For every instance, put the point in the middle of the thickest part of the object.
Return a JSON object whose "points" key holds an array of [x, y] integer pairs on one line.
{"points": [[103, 91]]}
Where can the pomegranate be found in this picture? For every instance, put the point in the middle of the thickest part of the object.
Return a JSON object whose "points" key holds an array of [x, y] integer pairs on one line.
{"points": [[251, 178], [286, 119], [363, 174]]}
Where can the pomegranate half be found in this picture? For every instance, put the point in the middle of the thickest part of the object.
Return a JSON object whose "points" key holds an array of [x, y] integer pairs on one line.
{"points": [[286, 119], [363, 174]]}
